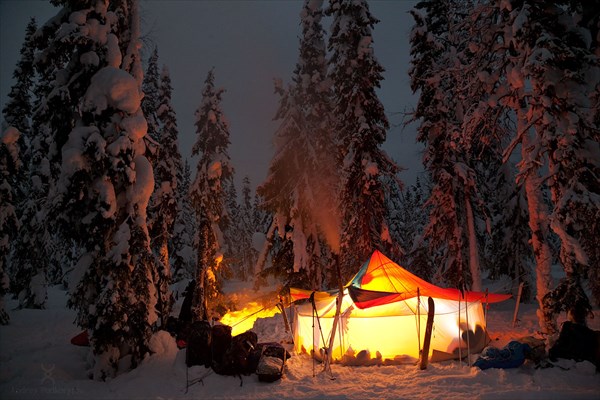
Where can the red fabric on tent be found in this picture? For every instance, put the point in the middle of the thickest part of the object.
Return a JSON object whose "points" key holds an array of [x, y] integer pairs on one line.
{"points": [[81, 339], [382, 281]]}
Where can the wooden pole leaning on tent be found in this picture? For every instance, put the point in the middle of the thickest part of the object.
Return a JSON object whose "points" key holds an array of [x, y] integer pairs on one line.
{"points": [[517, 304], [281, 308], [428, 330]]}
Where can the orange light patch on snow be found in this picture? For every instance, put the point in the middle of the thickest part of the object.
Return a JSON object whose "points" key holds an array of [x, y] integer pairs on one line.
{"points": [[243, 320]]}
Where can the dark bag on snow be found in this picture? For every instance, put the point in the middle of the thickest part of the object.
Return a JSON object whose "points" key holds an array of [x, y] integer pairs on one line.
{"points": [[511, 356], [271, 363], [272, 349], [198, 351], [577, 342], [236, 360], [220, 342]]}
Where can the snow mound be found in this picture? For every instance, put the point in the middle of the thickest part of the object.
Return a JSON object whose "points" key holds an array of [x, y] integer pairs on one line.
{"points": [[163, 345]]}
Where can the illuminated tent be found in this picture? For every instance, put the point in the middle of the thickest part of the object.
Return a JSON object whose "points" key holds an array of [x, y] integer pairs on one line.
{"points": [[383, 316]]}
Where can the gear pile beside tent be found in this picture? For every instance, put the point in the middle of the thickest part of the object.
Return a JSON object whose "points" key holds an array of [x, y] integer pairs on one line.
{"points": [[383, 317]]}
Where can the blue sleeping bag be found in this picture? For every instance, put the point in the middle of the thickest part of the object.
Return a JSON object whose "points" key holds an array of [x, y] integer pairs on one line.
{"points": [[511, 356]]}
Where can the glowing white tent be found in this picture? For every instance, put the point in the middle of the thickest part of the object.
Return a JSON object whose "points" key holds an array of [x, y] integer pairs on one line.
{"points": [[383, 317]]}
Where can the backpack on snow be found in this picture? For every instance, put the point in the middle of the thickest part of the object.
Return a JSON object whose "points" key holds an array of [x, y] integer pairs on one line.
{"points": [[198, 350], [220, 343], [271, 363], [577, 342], [237, 358]]}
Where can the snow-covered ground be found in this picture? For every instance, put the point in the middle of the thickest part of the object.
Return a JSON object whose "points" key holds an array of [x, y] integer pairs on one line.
{"points": [[37, 361]]}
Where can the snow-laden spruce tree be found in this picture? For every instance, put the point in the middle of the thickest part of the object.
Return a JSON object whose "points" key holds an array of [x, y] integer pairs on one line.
{"points": [[231, 236], [105, 183], [9, 223], [53, 118], [590, 245], [29, 261], [18, 109], [247, 228], [360, 126], [182, 254], [408, 218], [508, 250], [300, 186], [494, 68], [150, 105], [530, 73], [207, 194], [163, 207], [564, 74], [435, 72]]}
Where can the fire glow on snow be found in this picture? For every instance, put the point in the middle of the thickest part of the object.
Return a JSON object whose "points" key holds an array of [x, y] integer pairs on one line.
{"points": [[243, 320]]}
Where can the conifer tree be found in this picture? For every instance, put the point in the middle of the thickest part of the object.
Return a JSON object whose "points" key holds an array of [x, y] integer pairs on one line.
{"points": [[9, 224], [29, 260], [18, 109], [361, 127], [509, 250], [247, 228], [564, 74], [536, 44], [300, 184], [105, 184], [231, 236], [408, 217], [163, 206], [52, 120], [213, 172], [184, 259], [436, 43], [150, 105], [261, 218]]}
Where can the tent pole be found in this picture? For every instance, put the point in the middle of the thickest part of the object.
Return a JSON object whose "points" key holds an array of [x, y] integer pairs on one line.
{"points": [[485, 309], [291, 319], [459, 339], [468, 336], [312, 301], [419, 318], [338, 308]]}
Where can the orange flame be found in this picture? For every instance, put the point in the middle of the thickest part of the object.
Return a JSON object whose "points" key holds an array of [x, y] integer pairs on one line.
{"points": [[243, 320]]}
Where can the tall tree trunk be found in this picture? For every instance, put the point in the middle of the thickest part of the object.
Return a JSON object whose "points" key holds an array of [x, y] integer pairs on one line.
{"points": [[199, 300], [164, 279], [539, 225], [473, 252]]}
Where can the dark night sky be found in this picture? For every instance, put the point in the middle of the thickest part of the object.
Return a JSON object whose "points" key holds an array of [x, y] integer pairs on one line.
{"points": [[249, 43]]}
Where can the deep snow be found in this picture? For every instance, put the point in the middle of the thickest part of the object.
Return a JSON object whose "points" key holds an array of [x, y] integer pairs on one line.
{"points": [[38, 361]]}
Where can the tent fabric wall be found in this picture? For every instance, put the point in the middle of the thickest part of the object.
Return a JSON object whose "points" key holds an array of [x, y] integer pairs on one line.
{"points": [[392, 330], [384, 311]]}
